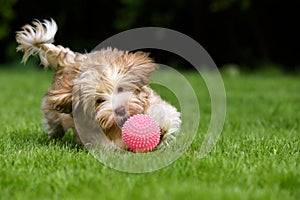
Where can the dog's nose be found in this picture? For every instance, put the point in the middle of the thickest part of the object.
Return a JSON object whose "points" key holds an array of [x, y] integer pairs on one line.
{"points": [[120, 111], [122, 121]]}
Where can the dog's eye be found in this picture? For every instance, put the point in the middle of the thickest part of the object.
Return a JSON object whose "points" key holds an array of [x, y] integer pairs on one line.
{"points": [[99, 100], [120, 89]]}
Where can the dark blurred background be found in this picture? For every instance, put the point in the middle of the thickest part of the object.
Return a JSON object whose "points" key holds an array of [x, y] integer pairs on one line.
{"points": [[249, 34]]}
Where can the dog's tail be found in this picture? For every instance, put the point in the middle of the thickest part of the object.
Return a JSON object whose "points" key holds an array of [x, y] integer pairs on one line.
{"points": [[37, 39]]}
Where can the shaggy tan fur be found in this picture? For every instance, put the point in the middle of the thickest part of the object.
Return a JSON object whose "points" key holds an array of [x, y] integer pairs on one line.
{"points": [[110, 84]]}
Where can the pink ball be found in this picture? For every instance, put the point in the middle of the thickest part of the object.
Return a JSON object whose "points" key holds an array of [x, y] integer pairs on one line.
{"points": [[141, 133]]}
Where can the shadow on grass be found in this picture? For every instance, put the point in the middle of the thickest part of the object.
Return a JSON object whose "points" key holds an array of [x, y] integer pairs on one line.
{"points": [[25, 138]]}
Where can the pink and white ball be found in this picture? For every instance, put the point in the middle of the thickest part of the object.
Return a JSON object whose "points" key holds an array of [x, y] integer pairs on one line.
{"points": [[141, 133]]}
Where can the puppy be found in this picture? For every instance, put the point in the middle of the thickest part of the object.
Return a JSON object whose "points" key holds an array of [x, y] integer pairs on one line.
{"points": [[110, 85]]}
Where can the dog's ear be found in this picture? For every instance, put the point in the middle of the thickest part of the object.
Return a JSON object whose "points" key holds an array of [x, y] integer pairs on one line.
{"points": [[138, 66]]}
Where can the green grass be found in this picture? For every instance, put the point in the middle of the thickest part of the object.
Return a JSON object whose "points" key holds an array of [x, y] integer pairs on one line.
{"points": [[256, 157]]}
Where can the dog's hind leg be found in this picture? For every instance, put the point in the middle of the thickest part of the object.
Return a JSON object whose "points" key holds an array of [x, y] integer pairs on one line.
{"points": [[52, 120]]}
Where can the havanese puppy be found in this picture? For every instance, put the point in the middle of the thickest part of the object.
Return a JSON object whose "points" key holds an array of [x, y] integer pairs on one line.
{"points": [[109, 84]]}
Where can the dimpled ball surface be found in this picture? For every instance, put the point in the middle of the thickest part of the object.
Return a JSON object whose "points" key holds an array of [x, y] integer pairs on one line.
{"points": [[141, 133]]}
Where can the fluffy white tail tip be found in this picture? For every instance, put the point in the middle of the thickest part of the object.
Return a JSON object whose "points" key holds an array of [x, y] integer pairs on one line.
{"points": [[32, 37]]}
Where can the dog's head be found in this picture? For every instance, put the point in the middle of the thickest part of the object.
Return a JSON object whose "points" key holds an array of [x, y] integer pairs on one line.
{"points": [[114, 88]]}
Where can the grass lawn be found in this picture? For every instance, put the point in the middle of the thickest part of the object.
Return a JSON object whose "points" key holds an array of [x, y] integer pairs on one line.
{"points": [[256, 157]]}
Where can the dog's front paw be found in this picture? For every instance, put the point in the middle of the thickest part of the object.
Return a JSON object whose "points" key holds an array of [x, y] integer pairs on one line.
{"points": [[168, 119]]}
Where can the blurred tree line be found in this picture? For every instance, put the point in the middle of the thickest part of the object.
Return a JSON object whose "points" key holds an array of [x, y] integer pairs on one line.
{"points": [[248, 33]]}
